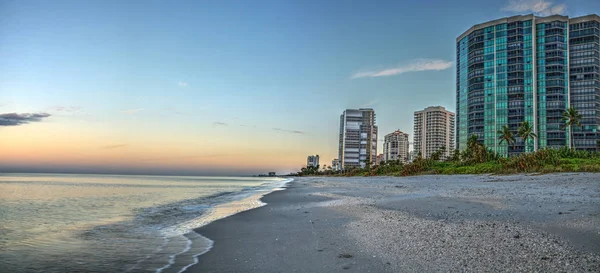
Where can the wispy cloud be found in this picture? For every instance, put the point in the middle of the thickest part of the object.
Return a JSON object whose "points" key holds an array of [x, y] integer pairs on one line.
{"points": [[66, 108], [288, 131], [182, 84], [412, 66], [14, 119], [132, 111], [174, 110], [539, 7], [370, 103], [218, 123], [114, 146]]}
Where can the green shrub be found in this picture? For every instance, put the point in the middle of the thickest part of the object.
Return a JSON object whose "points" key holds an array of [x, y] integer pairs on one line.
{"points": [[479, 160]]}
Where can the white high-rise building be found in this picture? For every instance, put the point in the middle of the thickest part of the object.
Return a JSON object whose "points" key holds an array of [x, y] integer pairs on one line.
{"points": [[312, 161], [335, 165], [358, 138], [395, 147], [434, 129]]}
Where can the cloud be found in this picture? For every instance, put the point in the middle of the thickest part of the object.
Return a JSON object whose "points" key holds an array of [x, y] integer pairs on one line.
{"points": [[412, 66], [66, 108], [370, 103], [183, 84], [132, 111], [14, 119], [218, 123], [174, 110], [288, 131], [539, 7], [114, 146]]}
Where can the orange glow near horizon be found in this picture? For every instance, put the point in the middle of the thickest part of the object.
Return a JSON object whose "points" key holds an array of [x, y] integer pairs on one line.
{"points": [[51, 145]]}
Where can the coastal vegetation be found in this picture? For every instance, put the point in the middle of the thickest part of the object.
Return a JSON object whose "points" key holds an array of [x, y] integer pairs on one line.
{"points": [[478, 159]]}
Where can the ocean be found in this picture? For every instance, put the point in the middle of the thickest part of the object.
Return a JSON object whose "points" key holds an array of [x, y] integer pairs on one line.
{"points": [[115, 223]]}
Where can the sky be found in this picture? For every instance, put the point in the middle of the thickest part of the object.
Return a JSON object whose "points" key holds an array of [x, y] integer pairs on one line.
{"points": [[221, 87]]}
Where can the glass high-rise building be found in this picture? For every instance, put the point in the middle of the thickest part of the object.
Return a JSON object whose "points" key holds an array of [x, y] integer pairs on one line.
{"points": [[516, 69], [358, 138], [584, 79]]}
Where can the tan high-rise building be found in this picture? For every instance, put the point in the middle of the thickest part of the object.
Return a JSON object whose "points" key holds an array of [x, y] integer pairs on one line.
{"points": [[358, 138], [395, 146], [434, 129]]}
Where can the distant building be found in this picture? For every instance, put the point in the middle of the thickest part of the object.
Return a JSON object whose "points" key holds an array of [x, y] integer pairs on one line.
{"points": [[434, 129], [412, 156], [379, 159], [271, 174], [357, 138], [395, 146], [312, 161], [335, 164]]}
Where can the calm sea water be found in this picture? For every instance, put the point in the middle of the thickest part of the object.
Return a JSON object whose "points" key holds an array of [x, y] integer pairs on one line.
{"points": [[111, 223]]}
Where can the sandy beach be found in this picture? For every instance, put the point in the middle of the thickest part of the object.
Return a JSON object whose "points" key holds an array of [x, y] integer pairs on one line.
{"points": [[514, 223]]}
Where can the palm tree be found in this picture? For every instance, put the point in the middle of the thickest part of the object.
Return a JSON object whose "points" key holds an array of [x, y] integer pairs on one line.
{"points": [[472, 141], [571, 117], [526, 133], [505, 135]]}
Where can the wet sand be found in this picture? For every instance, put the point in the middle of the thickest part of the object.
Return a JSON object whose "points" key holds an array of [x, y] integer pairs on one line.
{"points": [[415, 224]]}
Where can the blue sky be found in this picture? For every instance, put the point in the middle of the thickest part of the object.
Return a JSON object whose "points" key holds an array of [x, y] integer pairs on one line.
{"points": [[131, 72]]}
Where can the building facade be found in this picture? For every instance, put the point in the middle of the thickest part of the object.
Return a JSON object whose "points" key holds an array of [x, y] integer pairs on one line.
{"points": [[357, 138], [395, 147], [412, 156], [335, 164], [434, 130], [516, 69], [584, 79], [312, 161]]}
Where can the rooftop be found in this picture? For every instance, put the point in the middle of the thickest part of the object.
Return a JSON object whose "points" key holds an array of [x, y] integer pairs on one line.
{"points": [[539, 19]]}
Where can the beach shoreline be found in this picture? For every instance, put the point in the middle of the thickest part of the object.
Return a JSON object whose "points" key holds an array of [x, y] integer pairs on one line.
{"points": [[425, 223], [110, 223]]}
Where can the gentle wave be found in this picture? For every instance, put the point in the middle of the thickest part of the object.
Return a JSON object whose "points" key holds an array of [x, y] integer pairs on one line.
{"points": [[218, 212], [96, 223]]}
